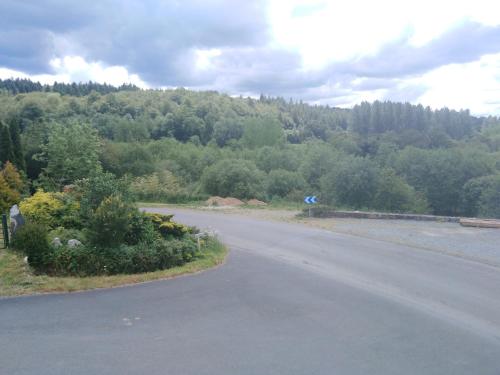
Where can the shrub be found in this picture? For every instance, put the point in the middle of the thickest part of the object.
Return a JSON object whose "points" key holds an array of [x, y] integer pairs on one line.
{"points": [[52, 209], [142, 257], [233, 178], [141, 229], [11, 186], [158, 186], [32, 240], [43, 208], [281, 183], [168, 228], [111, 221], [98, 187]]}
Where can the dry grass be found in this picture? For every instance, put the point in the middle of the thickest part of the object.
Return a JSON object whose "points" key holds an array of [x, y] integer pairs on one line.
{"points": [[16, 277]]}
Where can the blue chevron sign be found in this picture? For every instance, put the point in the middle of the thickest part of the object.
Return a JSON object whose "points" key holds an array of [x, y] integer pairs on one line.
{"points": [[310, 200]]}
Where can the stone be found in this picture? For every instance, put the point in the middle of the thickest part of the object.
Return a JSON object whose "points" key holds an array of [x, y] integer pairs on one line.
{"points": [[73, 243], [56, 242], [16, 219]]}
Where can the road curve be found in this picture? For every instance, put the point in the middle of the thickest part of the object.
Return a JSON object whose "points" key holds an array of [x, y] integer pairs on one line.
{"points": [[290, 300]]}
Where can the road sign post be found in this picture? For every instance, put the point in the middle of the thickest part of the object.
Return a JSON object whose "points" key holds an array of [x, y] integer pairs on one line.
{"points": [[311, 199]]}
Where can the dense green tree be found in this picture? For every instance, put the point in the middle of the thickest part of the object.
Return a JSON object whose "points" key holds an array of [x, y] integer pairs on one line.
{"points": [[71, 153], [233, 178], [481, 196], [352, 183], [280, 183], [6, 146], [17, 148], [259, 132]]}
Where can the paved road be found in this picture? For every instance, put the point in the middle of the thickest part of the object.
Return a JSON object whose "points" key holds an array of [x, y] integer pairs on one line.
{"points": [[290, 300]]}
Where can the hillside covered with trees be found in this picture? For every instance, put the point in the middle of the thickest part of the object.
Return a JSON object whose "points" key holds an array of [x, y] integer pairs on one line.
{"points": [[179, 145]]}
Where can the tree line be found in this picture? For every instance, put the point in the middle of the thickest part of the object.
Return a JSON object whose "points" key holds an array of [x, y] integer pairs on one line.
{"points": [[381, 156]]}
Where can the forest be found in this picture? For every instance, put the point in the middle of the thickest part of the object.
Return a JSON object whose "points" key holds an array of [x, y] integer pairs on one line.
{"points": [[178, 145]]}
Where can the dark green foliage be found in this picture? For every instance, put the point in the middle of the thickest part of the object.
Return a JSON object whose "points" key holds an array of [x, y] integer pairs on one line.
{"points": [[32, 239], [281, 183], [140, 229], [17, 148], [259, 132], [124, 259], [352, 183], [395, 195], [111, 222], [441, 174], [6, 146], [233, 178], [481, 196], [98, 187]]}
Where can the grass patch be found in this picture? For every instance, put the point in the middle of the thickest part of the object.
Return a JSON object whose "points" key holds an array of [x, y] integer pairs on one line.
{"points": [[16, 277]]}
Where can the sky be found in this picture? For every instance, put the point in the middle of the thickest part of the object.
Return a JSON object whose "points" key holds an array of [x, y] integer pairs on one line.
{"points": [[438, 53]]}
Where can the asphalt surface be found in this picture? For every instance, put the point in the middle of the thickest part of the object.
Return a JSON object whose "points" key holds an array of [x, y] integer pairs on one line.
{"points": [[289, 300]]}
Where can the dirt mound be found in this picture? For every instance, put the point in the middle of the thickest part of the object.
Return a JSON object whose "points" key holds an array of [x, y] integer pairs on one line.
{"points": [[256, 202], [220, 202]]}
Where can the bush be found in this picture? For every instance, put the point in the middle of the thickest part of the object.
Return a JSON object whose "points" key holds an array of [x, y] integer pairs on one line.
{"points": [[281, 183], [32, 240], [158, 186], [111, 221], [233, 178], [52, 209], [141, 229], [124, 259], [481, 196], [98, 187], [395, 195], [43, 208], [164, 225]]}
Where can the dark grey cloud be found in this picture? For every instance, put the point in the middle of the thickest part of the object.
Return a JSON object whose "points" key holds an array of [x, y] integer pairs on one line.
{"points": [[152, 38]]}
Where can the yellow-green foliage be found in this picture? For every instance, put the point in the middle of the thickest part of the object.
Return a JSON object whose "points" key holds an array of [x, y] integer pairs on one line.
{"points": [[161, 185], [167, 227], [10, 186], [43, 208]]}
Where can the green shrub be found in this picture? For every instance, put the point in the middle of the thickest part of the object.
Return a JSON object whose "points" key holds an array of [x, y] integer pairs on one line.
{"points": [[43, 208], [164, 225], [111, 222], [141, 229], [97, 188], [32, 240], [52, 209], [123, 259], [233, 178]]}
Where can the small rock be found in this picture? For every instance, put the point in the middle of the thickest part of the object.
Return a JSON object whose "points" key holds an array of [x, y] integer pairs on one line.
{"points": [[56, 242], [73, 243], [25, 260]]}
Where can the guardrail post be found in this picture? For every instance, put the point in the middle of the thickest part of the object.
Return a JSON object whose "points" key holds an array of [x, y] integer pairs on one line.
{"points": [[5, 228]]}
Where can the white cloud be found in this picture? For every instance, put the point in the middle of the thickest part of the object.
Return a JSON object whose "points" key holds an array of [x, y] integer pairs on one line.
{"points": [[475, 85], [341, 30], [77, 69]]}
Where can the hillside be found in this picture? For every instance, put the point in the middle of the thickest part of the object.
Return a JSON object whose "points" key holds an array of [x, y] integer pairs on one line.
{"points": [[176, 145]]}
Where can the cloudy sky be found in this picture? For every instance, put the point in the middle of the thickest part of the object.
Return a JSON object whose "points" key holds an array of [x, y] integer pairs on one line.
{"points": [[337, 52]]}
